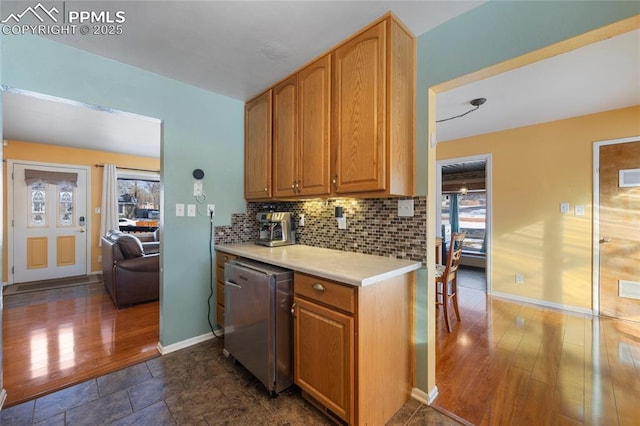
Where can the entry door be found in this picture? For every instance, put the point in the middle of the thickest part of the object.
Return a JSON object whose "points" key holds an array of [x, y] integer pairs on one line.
{"points": [[619, 216], [49, 223]]}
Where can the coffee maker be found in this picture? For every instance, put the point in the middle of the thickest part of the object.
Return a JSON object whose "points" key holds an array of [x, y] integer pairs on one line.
{"points": [[276, 229]]}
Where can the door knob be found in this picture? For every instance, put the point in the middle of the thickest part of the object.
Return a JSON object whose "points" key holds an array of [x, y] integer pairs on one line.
{"points": [[605, 240]]}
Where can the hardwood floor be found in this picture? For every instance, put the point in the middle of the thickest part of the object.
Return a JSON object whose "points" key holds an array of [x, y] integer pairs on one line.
{"points": [[58, 338], [512, 363]]}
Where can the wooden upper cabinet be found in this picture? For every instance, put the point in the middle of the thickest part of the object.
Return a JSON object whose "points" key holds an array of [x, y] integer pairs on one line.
{"points": [[301, 132], [257, 147], [285, 135], [314, 134], [373, 112], [342, 125]]}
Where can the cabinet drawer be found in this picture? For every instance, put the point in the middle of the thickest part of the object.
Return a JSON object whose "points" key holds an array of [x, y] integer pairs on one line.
{"points": [[220, 274], [222, 258], [220, 315], [333, 294], [220, 294]]}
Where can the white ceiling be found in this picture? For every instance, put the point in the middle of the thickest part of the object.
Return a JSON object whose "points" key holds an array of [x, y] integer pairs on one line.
{"points": [[239, 48], [598, 77], [44, 119]]}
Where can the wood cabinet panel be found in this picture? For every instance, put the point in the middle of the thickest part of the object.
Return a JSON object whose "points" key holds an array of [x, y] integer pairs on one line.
{"points": [[285, 138], [336, 295], [301, 132], [359, 112], [314, 115], [257, 147], [324, 357], [221, 259]]}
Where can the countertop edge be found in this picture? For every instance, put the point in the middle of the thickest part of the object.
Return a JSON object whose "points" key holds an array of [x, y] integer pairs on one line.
{"points": [[321, 273]]}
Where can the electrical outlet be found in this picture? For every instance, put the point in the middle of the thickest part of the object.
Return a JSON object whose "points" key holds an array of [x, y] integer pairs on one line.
{"points": [[197, 189], [99, 258], [211, 208], [191, 210], [519, 278], [301, 220], [180, 209]]}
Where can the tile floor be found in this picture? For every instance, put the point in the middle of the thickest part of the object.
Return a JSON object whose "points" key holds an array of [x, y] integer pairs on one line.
{"points": [[193, 386]]}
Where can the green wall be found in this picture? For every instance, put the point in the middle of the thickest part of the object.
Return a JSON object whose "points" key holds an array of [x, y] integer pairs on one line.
{"points": [[201, 129], [484, 36]]}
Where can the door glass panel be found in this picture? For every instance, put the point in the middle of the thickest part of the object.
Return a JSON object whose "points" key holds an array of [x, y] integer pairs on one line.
{"points": [[65, 205], [37, 205]]}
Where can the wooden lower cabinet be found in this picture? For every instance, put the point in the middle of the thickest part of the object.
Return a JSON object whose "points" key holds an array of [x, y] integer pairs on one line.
{"points": [[324, 356], [221, 259], [353, 346]]}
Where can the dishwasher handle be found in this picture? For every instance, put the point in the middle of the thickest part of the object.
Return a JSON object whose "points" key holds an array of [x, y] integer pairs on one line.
{"points": [[232, 284]]}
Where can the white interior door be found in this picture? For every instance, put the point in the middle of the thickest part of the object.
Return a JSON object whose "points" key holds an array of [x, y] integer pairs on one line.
{"points": [[49, 217]]}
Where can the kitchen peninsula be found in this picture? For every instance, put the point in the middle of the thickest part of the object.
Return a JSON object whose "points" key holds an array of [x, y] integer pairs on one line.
{"points": [[353, 328]]}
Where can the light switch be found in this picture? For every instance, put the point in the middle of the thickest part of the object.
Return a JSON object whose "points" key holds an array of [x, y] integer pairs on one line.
{"points": [[579, 210], [564, 208], [191, 210], [405, 208], [179, 209]]}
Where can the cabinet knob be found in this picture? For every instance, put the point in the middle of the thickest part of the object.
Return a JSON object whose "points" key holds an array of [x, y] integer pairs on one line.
{"points": [[293, 185], [293, 309], [335, 181], [318, 287], [266, 189]]}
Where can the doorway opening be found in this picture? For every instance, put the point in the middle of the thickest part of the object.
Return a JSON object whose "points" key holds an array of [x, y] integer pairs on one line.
{"points": [[464, 195], [74, 330]]}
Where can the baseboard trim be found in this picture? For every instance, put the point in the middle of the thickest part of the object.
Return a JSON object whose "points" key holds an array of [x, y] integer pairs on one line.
{"points": [[542, 303], [184, 343], [433, 394], [423, 397], [420, 396], [3, 398]]}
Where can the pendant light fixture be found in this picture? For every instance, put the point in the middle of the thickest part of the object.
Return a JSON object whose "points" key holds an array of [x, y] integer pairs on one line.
{"points": [[476, 103]]}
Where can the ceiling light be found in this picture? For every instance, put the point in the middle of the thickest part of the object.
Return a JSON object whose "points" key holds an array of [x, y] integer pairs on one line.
{"points": [[476, 103]]}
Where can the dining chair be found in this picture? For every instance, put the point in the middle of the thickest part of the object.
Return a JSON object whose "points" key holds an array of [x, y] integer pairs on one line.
{"points": [[446, 276]]}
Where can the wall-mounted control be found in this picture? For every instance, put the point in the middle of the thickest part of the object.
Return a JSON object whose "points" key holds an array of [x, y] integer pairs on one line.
{"points": [[179, 209], [191, 210], [301, 219], [197, 188], [579, 210], [564, 208], [405, 208]]}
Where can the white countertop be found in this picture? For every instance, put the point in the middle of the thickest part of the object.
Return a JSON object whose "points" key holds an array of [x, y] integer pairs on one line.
{"points": [[345, 267]]}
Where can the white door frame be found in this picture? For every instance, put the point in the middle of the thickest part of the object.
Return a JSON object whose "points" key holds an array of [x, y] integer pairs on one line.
{"points": [[10, 218], [489, 228], [596, 216]]}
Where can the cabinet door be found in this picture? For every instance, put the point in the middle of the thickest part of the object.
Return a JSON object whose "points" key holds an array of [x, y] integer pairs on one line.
{"points": [[324, 356], [314, 106], [359, 112], [257, 147], [285, 153]]}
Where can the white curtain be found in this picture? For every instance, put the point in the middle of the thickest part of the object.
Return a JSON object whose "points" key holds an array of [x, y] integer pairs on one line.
{"points": [[109, 209]]}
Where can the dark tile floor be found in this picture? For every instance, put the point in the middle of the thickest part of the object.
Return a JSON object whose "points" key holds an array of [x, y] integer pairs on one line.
{"points": [[193, 386]]}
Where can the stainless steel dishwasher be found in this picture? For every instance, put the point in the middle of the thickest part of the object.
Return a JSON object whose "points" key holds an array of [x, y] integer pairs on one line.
{"points": [[258, 329]]}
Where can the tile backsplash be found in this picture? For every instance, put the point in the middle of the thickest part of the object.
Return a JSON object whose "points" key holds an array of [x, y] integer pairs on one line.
{"points": [[373, 226]]}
